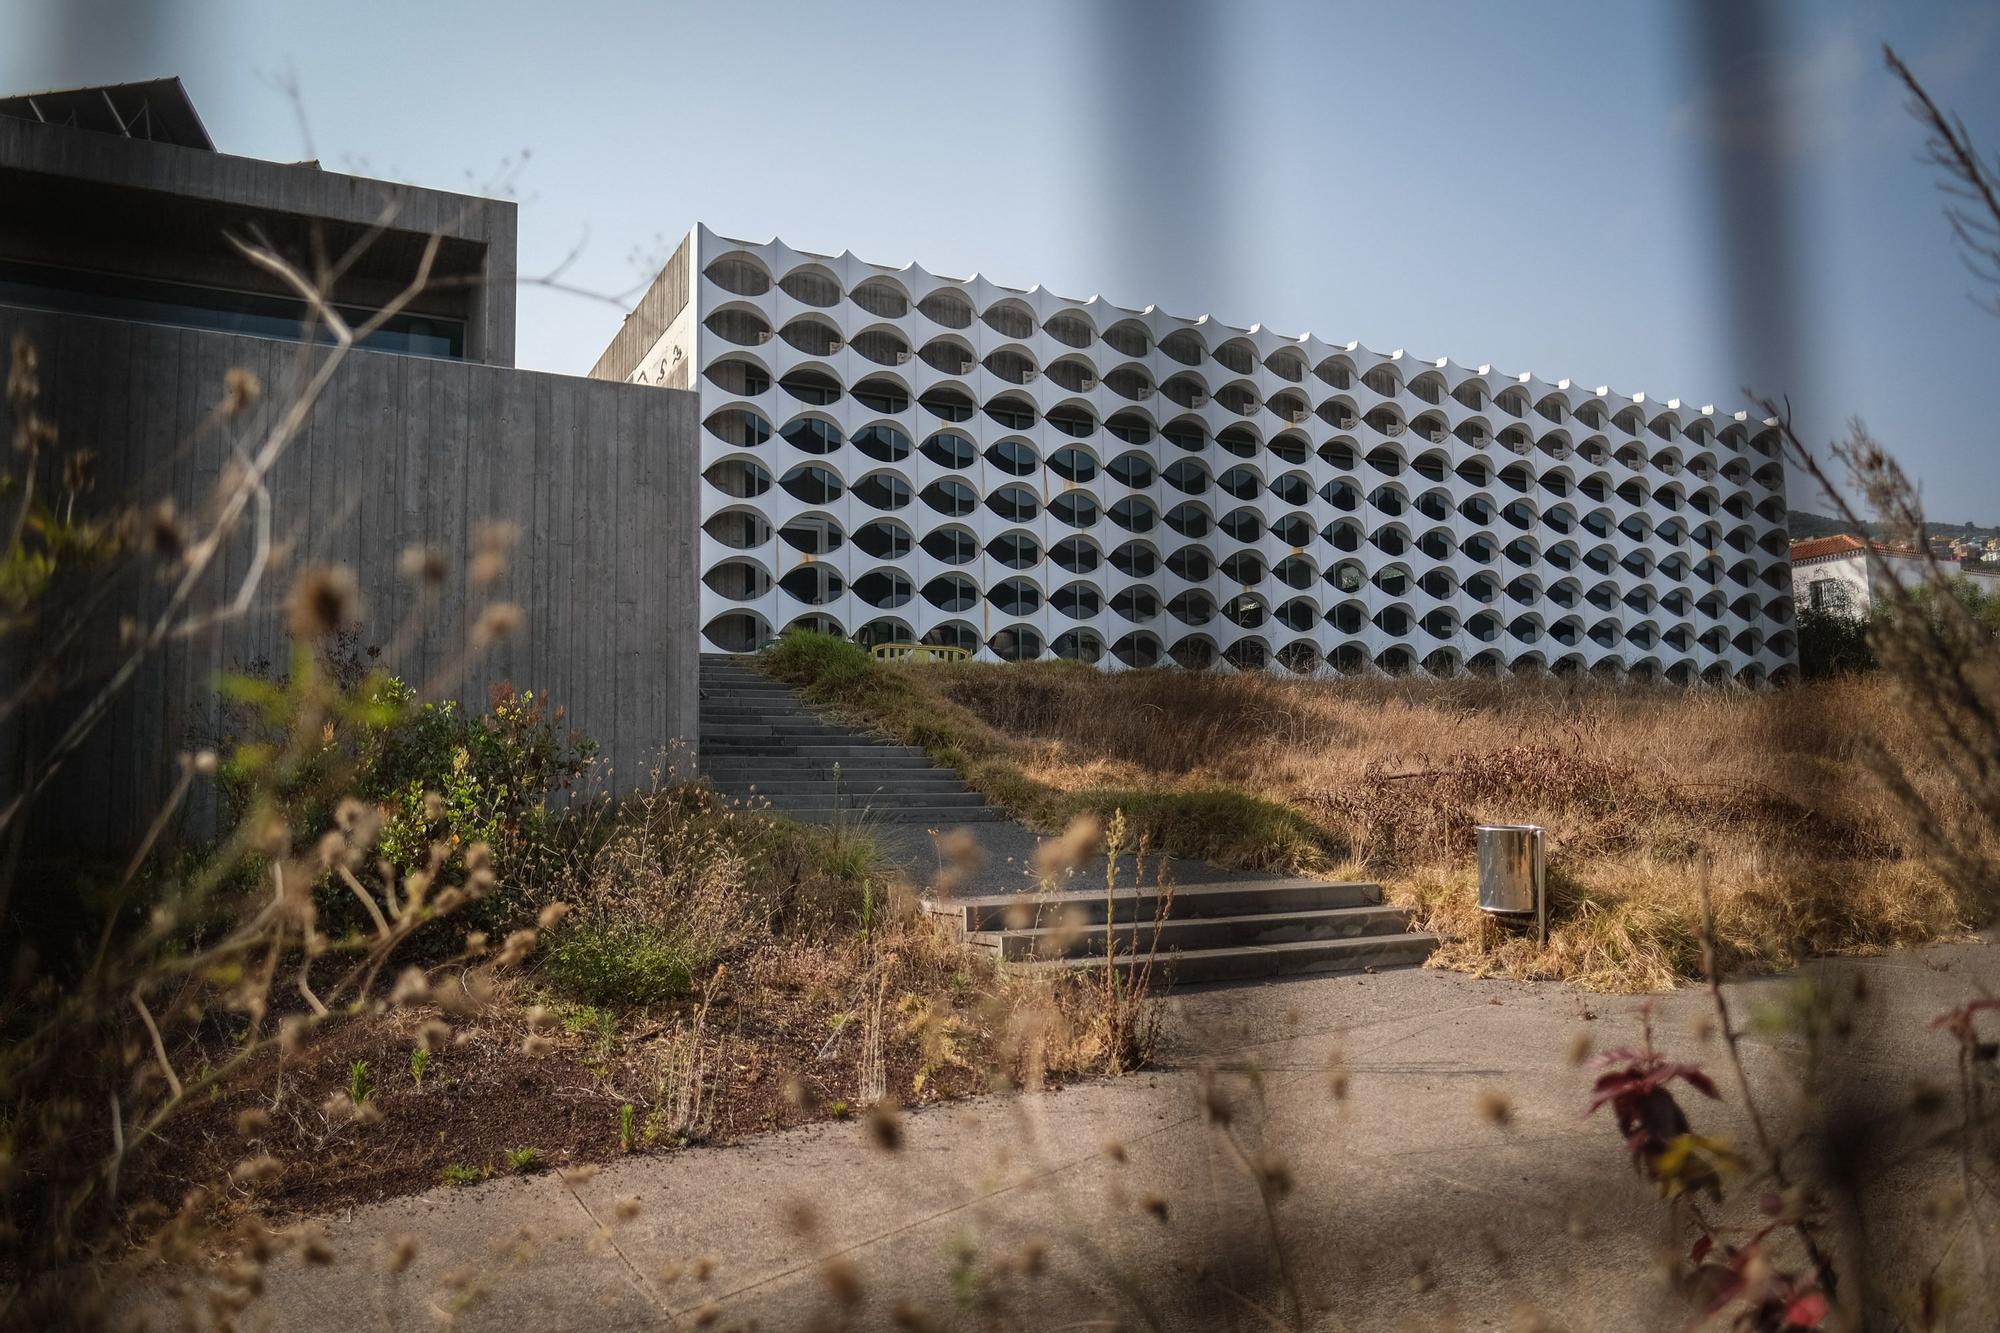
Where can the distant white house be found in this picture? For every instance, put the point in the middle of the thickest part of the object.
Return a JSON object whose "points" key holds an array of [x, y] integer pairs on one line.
{"points": [[1835, 574]]}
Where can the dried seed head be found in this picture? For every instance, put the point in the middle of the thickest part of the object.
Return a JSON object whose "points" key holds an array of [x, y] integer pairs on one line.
{"points": [[1579, 1048], [204, 763], [24, 385], [843, 1281], [577, 1175], [1115, 1150], [402, 1252], [518, 946], [423, 563], [534, 1044], [625, 1209], [79, 471], [252, 1121], [240, 389], [494, 538], [162, 535], [1058, 856], [1156, 1204], [800, 1217], [314, 1247], [496, 622], [254, 1171], [1214, 1106], [1493, 1104], [1274, 1174], [551, 916], [883, 1128], [325, 600], [434, 1036], [412, 987], [908, 1316]]}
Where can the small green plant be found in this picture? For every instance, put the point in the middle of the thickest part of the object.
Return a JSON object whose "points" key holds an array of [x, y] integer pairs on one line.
{"points": [[420, 1060], [838, 1110], [459, 1175], [626, 1116], [621, 965], [523, 1160], [360, 1084]]}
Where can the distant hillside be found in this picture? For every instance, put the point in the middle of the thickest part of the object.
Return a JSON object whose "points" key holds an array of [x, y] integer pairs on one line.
{"points": [[1802, 525]]}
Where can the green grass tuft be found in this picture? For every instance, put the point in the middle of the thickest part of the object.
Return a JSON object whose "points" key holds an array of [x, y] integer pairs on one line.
{"points": [[622, 966]]}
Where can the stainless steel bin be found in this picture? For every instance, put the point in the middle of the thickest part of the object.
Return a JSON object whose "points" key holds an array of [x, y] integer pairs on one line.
{"points": [[1511, 873]]}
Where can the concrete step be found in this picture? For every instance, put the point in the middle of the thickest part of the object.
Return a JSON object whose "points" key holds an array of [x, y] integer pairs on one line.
{"points": [[929, 800], [711, 730], [914, 783], [779, 751], [1190, 901], [1254, 961], [1192, 933], [723, 768], [944, 817]]}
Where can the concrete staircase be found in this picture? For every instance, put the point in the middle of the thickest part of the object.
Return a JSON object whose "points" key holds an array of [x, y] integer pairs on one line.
{"points": [[759, 744], [1209, 932]]}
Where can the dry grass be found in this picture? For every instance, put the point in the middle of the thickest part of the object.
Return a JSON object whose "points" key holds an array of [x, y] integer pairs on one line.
{"points": [[1639, 787]]}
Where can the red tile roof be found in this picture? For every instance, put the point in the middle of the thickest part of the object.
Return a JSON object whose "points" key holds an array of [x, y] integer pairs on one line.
{"points": [[1830, 548], [1818, 548]]}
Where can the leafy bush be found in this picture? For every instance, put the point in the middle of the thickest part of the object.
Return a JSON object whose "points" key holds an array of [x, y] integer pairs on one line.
{"points": [[1832, 642], [425, 775], [448, 776]]}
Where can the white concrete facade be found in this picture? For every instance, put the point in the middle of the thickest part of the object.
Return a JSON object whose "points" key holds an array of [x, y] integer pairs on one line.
{"points": [[900, 456]]}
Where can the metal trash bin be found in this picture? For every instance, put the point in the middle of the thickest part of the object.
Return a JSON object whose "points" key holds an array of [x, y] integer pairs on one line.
{"points": [[1511, 873]]}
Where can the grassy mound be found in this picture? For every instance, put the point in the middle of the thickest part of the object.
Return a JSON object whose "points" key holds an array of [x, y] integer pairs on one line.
{"points": [[1644, 790]]}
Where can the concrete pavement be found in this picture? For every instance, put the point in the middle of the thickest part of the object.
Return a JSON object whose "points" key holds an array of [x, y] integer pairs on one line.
{"points": [[1407, 1201]]}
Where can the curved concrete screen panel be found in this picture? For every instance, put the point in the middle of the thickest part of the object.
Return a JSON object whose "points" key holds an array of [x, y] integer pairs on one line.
{"points": [[897, 456]]}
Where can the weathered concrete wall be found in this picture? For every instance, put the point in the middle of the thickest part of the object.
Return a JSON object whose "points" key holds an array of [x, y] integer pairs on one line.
{"points": [[598, 476], [648, 322]]}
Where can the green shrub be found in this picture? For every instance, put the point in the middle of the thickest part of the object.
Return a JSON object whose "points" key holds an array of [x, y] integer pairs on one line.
{"points": [[1832, 642], [619, 966], [826, 660]]}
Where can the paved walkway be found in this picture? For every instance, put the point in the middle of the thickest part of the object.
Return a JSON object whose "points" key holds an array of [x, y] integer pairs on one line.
{"points": [[1411, 1203]]}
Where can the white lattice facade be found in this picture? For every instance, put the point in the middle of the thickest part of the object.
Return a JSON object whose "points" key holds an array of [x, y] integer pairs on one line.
{"points": [[902, 457]]}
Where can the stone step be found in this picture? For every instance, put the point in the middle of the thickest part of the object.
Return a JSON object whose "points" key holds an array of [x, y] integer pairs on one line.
{"points": [[1026, 911], [1254, 961], [1192, 933]]}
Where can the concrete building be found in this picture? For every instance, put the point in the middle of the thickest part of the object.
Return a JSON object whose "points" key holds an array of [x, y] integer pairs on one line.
{"points": [[115, 264], [898, 456], [1836, 574]]}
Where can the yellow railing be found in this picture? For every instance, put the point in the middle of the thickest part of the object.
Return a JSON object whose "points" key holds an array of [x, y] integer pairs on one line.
{"points": [[920, 652]]}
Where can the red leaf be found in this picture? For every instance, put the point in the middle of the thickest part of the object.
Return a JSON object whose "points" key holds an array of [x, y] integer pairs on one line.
{"points": [[1701, 1249], [1698, 1079], [1807, 1311]]}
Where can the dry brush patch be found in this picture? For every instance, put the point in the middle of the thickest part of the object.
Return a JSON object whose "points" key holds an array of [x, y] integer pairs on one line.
{"points": [[1639, 787]]}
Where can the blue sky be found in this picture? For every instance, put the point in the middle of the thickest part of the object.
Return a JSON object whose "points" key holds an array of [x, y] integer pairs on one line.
{"points": [[1523, 185]]}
